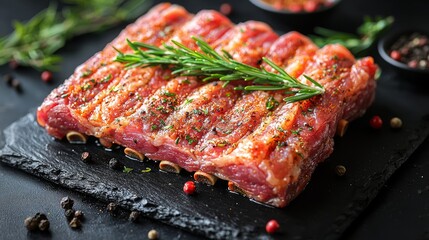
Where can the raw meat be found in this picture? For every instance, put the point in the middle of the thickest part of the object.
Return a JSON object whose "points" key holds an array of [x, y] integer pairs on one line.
{"points": [[269, 155]]}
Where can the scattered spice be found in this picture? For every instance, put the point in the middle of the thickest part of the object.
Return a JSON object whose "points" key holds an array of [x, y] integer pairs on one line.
{"points": [[69, 214], [340, 170], [225, 9], [188, 101], [376, 122], [8, 79], [39, 221], [78, 214], [297, 131], [412, 49], [271, 103], [272, 226], [16, 84], [86, 86], [412, 64], [395, 55], [134, 216], [168, 94], [75, 223], [106, 79], [189, 187], [115, 164], [86, 73], [46, 76], [189, 139], [31, 224], [152, 234], [395, 123], [44, 225], [112, 207], [40, 216], [86, 157], [66, 203], [127, 169]]}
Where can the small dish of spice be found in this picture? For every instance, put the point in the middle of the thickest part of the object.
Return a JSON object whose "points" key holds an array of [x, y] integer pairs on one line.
{"points": [[295, 7], [407, 51]]}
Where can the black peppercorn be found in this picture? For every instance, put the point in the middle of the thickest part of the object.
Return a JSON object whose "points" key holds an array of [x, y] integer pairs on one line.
{"points": [[40, 216], [31, 223], [134, 216], [78, 214], [412, 50], [44, 225], [16, 84], [85, 157], [112, 207], [75, 223], [8, 79], [115, 164], [340, 170], [66, 203], [69, 213]]}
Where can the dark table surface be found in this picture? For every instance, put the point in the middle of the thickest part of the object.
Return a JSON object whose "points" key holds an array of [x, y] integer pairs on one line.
{"points": [[400, 211]]}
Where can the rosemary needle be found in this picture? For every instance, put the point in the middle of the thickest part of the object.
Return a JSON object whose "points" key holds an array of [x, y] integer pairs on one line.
{"points": [[367, 33], [35, 43], [215, 66]]}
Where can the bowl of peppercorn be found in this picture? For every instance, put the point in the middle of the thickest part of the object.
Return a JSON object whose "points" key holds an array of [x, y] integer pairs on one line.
{"points": [[408, 52]]}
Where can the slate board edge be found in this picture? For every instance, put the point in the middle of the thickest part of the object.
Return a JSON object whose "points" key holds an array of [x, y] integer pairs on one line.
{"points": [[198, 225], [372, 187], [203, 226]]}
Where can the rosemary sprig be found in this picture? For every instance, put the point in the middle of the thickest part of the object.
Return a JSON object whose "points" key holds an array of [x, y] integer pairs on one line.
{"points": [[367, 33], [214, 66], [34, 43]]}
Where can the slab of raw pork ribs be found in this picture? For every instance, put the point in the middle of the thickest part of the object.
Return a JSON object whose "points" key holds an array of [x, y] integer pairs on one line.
{"points": [[269, 155]]}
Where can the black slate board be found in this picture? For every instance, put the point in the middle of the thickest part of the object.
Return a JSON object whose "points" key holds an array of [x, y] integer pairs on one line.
{"points": [[323, 211]]}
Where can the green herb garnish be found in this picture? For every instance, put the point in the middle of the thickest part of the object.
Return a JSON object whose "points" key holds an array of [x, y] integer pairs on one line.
{"points": [[34, 43], [169, 94], [188, 101], [86, 73], [127, 169], [214, 66], [367, 33], [271, 103], [189, 139], [146, 170], [296, 132], [106, 79]]}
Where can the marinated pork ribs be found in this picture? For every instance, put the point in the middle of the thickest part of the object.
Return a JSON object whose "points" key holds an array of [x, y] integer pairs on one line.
{"points": [[269, 155]]}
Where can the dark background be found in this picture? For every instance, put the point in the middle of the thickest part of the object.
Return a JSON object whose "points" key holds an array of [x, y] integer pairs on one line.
{"points": [[400, 211]]}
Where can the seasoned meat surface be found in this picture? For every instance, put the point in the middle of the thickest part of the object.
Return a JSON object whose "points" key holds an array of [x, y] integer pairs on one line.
{"points": [[268, 154]]}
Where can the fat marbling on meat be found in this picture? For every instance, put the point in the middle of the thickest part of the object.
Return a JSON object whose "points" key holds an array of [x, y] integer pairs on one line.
{"points": [[268, 154]]}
